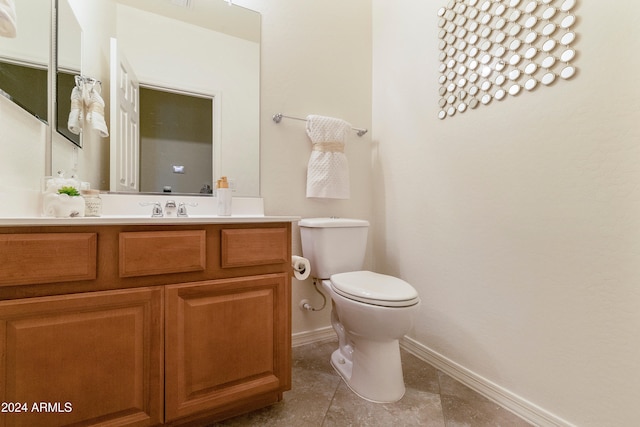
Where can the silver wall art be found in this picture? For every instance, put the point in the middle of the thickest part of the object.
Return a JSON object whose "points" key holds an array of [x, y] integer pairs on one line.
{"points": [[492, 49]]}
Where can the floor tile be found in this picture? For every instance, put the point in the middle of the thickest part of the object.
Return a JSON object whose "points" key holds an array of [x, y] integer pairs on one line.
{"points": [[319, 398], [416, 408], [463, 407], [418, 374]]}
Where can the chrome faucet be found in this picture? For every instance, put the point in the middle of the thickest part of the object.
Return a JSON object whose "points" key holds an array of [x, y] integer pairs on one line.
{"points": [[156, 210], [182, 210], [170, 208]]}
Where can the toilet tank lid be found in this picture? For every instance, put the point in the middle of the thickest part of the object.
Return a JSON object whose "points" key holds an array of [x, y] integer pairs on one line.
{"points": [[332, 222]]}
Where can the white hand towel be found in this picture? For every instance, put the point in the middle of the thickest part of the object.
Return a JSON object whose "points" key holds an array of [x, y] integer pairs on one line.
{"points": [[328, 169], [95, 113], [76, 115], [8, 20]]}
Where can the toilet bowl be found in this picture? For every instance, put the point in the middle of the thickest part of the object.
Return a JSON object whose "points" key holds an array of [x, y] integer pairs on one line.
{"points": [[369, 330], [370, 313]]}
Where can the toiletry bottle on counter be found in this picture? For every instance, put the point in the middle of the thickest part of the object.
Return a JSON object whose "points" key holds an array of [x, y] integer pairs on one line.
{"points": [[92, 202], [223, 194]]}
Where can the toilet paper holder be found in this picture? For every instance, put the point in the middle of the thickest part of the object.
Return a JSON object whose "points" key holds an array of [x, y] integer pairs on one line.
{"points": [[301, 267], [301, 271]]}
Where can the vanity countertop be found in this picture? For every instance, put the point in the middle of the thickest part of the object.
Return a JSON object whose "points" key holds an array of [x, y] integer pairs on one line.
{"points": [[120, 209], [144, 220]]}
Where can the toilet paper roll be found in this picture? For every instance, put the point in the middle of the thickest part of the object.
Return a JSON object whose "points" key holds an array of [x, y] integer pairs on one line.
{"points": [[301, 267]]}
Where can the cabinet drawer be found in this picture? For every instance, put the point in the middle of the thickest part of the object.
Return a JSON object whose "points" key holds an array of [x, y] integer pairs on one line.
{"points": [[253, 246], [161, 252], [47, 258]]}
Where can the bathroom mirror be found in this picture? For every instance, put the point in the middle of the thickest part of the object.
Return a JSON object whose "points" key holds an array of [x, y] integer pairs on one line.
{"points": [[548, 13], [548, 78], [25, 59], [567, 5], [567, 72], [548, 62], [531, 37], [567, 55], [567, 21], [548, 29], [530, 53], [530, 68], [199, 48], [567, 38], [548, 45], [530, 22], [530, 84], [68, 54]]}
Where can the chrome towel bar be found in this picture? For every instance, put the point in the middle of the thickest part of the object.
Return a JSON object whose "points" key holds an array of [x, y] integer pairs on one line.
{"points": [[279, 116]]}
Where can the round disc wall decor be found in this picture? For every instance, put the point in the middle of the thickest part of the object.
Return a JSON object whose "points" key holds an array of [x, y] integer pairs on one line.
{"points": [[490, 49]]}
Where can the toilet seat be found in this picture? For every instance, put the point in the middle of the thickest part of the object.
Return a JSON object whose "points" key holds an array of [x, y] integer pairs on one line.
{"points": [[374, 288]]}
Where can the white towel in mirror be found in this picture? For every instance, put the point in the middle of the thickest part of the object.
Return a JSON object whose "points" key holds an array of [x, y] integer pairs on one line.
{"points": [[76, 115], [8, 19], [95, 113], [328, 169]]}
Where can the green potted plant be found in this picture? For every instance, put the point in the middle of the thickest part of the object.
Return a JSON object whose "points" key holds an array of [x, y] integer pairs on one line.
{"points": [[66, 202], [69, 191]]}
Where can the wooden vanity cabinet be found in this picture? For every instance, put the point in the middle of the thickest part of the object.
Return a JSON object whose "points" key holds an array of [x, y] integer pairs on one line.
{"points": [[82, 358], [159, 325]]}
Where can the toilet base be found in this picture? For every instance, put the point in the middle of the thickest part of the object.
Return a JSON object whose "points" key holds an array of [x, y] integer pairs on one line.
{"points": [[375, 371]]}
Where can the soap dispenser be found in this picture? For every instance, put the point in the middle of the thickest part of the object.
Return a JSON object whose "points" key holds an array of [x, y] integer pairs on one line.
{"points": [[223, 195]]}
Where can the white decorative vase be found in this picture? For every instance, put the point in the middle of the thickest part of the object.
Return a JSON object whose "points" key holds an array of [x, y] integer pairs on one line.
{"points": [[63, 205]]}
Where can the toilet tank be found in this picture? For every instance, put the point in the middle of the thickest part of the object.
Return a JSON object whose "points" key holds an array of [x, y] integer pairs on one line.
{"points": [[333, 245]]}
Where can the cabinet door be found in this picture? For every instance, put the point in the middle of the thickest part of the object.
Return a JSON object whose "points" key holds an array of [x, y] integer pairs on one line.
{"points": [[228, 343], [90, 359]]}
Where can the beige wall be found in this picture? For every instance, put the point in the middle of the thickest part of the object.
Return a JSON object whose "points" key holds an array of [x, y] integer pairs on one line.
{"points": [[518, 222], [316, 59], [22, 148]]}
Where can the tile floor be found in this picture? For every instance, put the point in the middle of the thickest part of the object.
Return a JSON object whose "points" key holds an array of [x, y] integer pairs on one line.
{"points": [[319, 398]]}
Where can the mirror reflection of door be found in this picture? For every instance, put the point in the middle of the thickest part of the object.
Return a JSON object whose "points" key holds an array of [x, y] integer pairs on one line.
{"points": [[125, 117], [176, 141]]}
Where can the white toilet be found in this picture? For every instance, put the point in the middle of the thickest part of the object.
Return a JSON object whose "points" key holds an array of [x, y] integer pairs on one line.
{"points": [[371, 311]]}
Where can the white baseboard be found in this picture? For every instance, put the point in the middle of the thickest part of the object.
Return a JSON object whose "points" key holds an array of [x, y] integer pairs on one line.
{"points": [[508, 400], [308, 337]]}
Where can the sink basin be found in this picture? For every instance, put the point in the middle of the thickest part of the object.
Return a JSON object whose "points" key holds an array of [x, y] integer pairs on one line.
{"points": [[197, 206]]}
